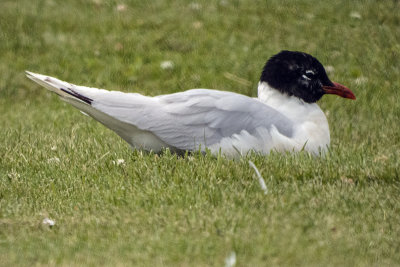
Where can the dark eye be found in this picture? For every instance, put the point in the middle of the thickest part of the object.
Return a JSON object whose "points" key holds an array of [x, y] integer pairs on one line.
{"points": [[309, 75]]}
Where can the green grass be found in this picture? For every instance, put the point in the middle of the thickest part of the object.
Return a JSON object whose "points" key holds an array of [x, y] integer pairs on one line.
{"points": [[340, 210]]}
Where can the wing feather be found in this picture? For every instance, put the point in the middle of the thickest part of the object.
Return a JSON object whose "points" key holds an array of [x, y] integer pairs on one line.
{"points": [[195, 117]]}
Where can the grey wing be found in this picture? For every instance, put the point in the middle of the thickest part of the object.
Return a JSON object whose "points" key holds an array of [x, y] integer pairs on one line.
{"points": [[196, 117]]}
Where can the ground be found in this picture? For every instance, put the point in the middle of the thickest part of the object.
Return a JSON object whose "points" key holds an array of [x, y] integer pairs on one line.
{"points": [[115, 206]]}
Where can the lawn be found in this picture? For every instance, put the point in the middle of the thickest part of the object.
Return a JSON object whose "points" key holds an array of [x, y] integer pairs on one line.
{"points": [[114, 206]]}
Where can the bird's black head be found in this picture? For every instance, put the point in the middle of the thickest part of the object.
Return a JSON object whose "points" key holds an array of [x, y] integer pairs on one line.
{"points": [[301, 75]]}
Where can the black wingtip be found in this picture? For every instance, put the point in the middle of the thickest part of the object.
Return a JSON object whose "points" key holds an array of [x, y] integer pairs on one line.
{"points": [[77, 95]]}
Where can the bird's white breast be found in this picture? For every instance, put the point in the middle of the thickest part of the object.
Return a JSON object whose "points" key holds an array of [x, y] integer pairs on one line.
{"points": [[311, 130]]}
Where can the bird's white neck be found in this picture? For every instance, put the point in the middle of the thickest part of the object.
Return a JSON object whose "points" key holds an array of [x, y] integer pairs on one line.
{"points": [[291, 106]]}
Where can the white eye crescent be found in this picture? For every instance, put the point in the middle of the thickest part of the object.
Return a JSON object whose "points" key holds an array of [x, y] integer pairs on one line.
{"points": [[310, 71]]}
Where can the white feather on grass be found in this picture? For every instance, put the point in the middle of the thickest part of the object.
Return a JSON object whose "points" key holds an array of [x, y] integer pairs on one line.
{"points": [[260, 178]]}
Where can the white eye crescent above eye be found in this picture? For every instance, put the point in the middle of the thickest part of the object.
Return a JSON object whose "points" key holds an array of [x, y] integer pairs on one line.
{"points": [[308, 72]]}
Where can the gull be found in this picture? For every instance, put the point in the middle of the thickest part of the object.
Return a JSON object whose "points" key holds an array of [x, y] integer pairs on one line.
{"points": [[284, 116]]}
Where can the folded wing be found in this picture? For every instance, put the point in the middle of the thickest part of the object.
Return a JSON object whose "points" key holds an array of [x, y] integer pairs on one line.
{"points": [[182, 121]]}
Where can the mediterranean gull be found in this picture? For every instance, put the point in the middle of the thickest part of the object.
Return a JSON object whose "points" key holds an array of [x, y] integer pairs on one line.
{"points": [[284, 116]]}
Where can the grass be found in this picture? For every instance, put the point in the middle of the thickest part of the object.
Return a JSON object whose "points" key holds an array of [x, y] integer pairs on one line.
{"points": [[340, 210]]}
